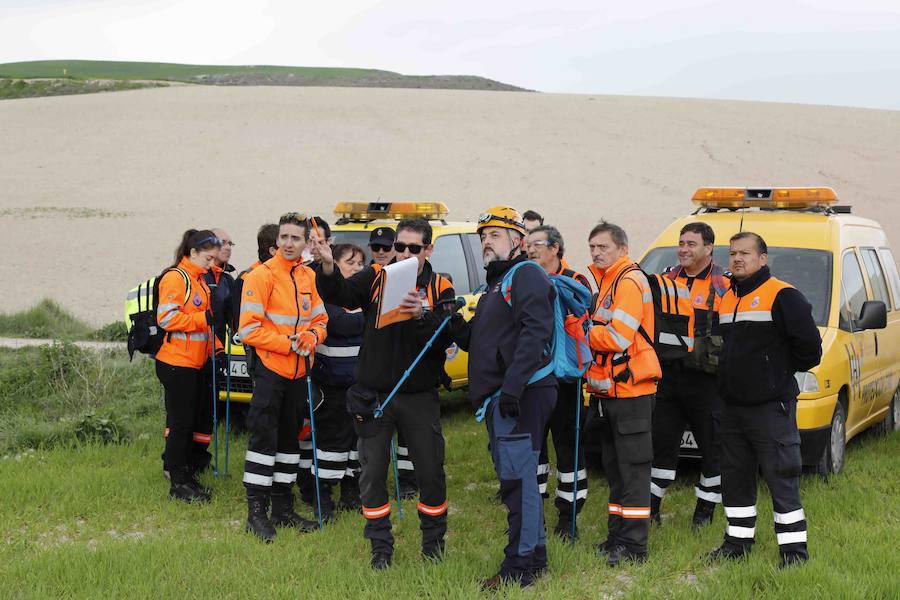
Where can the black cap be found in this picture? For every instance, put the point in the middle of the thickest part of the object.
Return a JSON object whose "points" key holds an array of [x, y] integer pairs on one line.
{"points": [[382, 235]]}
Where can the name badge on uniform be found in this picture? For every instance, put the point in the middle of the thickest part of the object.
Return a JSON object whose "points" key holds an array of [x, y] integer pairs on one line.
{"points": [[197, 300]]}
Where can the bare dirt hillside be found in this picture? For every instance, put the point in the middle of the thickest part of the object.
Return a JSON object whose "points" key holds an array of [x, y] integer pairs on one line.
{"points": [[96, 189]]}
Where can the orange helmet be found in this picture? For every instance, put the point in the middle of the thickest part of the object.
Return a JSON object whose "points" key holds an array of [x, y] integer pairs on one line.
{"points": [[503, 216]]}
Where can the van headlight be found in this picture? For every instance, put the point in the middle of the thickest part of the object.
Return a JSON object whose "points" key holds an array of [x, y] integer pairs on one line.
{"points": [[807, 382]]}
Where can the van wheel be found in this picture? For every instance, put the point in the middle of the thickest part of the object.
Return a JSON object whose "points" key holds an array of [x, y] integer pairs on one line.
{"points": [[892, 418], [832, 461]]}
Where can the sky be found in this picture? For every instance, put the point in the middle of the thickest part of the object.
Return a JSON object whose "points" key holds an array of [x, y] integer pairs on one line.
{"points": [[838, 52]]}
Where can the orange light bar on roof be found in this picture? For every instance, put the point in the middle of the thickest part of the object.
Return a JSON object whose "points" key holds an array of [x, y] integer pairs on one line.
{"points": [[764, 197], [368, 211]]}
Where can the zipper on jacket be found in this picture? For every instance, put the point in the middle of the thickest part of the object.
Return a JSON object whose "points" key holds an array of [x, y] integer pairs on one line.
{"points": [[297, 322]]}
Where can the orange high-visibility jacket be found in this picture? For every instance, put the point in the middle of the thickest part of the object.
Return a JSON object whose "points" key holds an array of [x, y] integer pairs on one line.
{"points": [[625, 364], [278, 300], [187, 341]]}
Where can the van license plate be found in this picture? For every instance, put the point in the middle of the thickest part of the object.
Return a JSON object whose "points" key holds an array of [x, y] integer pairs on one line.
{"points": [[239, 368]]}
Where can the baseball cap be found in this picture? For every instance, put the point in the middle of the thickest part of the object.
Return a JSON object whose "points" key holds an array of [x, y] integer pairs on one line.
{"points": [[382, 235]]}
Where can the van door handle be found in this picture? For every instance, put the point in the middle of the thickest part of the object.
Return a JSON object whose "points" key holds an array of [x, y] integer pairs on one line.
{"points": [[876, 342]]}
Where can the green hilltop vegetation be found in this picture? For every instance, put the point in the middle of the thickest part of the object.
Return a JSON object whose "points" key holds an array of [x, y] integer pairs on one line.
{"points": [[60, 77], [107, 69]]}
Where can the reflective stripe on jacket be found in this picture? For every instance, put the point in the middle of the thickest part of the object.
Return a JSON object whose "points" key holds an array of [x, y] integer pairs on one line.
{"points": [[278, 300], [625, 364]]}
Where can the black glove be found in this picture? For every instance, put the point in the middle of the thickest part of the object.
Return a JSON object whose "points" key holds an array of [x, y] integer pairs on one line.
{"points": [[209, 317], [509, 406], [221, 364]]}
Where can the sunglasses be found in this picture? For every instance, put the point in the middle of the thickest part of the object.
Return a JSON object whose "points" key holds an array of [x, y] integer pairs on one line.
{"points": [[382, 247], [413, 248], [210, 240]]}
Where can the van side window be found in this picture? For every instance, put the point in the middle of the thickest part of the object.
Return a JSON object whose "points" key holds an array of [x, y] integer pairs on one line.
{"points": [[887, 260], [853, 290], [450, 259], [876, 275]]}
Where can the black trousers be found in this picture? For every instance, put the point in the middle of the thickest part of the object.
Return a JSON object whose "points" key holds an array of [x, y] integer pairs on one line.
{"points": [[687, 398], [272, 421], [625, 436], [188, 400], [562, 426], [419, 416], [762, 438], [405, 462]]}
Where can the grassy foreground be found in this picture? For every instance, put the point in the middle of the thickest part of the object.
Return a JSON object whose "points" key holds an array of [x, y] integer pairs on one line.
{"points": [[82, 518]]}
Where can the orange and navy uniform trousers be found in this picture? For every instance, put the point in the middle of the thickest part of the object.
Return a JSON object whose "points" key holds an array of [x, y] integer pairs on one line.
{"points": [[182, 366], [768, 333], [622, 381], [689, 398], [415, 410], [570, 486], [279, 299]]}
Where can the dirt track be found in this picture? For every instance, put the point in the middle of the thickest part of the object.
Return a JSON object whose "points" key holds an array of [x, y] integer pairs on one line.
{"points": [[96, 189]]}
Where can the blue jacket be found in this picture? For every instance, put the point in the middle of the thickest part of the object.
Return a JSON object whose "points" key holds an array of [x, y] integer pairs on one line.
{"points": [[507, 343], [336, 357]]}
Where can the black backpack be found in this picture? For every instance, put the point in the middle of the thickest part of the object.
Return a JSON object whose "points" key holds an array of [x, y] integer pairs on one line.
{"points": [[145, 335]]}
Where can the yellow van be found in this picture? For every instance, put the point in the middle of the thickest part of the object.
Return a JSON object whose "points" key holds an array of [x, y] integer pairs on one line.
{"points": [[843, 265], [457, 255]]}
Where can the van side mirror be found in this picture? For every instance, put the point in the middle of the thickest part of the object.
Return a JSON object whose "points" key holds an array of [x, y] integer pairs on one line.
{"points": [[872, 316]]}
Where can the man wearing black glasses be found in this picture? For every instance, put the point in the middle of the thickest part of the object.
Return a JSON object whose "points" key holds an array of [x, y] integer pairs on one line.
{"points": [[383, 357], [381, 244]]}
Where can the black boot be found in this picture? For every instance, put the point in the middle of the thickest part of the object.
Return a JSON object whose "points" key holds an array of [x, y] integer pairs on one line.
{"points": [[283, 514], [328, 506], [349, 500], [655, 505], [183, 488], [380, 560], [433, 551], [619, 554], [258, 522], [728, 552], [703, 514], [564, 527]]}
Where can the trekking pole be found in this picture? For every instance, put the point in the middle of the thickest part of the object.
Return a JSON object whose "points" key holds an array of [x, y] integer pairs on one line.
{"points": [[215, 401], [458, 303], [396, 477], [227, 395], [312, 428], [579, 400]]}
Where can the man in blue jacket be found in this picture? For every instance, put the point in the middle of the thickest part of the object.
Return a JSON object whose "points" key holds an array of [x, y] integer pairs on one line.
{"points": [[508, 342]]}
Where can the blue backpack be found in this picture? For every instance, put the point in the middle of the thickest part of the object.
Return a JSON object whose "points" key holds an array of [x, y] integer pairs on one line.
{"points": [[569, 351]]}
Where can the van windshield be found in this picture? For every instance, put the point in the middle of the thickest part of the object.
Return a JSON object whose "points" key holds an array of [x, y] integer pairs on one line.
{"points": [[807, 270]]}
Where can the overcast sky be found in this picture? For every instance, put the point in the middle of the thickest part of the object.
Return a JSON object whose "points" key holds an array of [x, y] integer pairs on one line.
{"points": [[841, 52]]}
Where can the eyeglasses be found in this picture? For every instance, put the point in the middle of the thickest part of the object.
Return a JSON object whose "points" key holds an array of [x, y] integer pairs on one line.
{"points": [[538, 243], [382, 248], [413, 248], [228, 243]]}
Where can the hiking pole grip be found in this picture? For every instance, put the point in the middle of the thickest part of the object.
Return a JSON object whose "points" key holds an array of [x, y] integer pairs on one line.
{"points": [[312, 429]]}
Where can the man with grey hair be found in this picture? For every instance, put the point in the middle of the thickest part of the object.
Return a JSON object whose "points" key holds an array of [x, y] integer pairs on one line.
{"points": [[546, 247], [622, 381]]}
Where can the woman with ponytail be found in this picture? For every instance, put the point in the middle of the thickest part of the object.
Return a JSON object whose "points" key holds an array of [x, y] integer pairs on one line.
{"points": [[184, 313]]}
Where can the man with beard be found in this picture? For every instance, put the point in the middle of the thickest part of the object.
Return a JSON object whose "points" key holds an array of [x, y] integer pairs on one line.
{"points": [[511, 385]]}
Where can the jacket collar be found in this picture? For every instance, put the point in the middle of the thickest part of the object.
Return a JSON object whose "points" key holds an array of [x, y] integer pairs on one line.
{"points": [[610, 273], [424, 277], [742, 288], [280, 263], [498, 268], [186, 265]]}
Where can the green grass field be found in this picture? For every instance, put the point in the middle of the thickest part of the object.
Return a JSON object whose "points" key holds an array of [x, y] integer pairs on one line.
{"points": [[104, 69], [83, 518]]}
